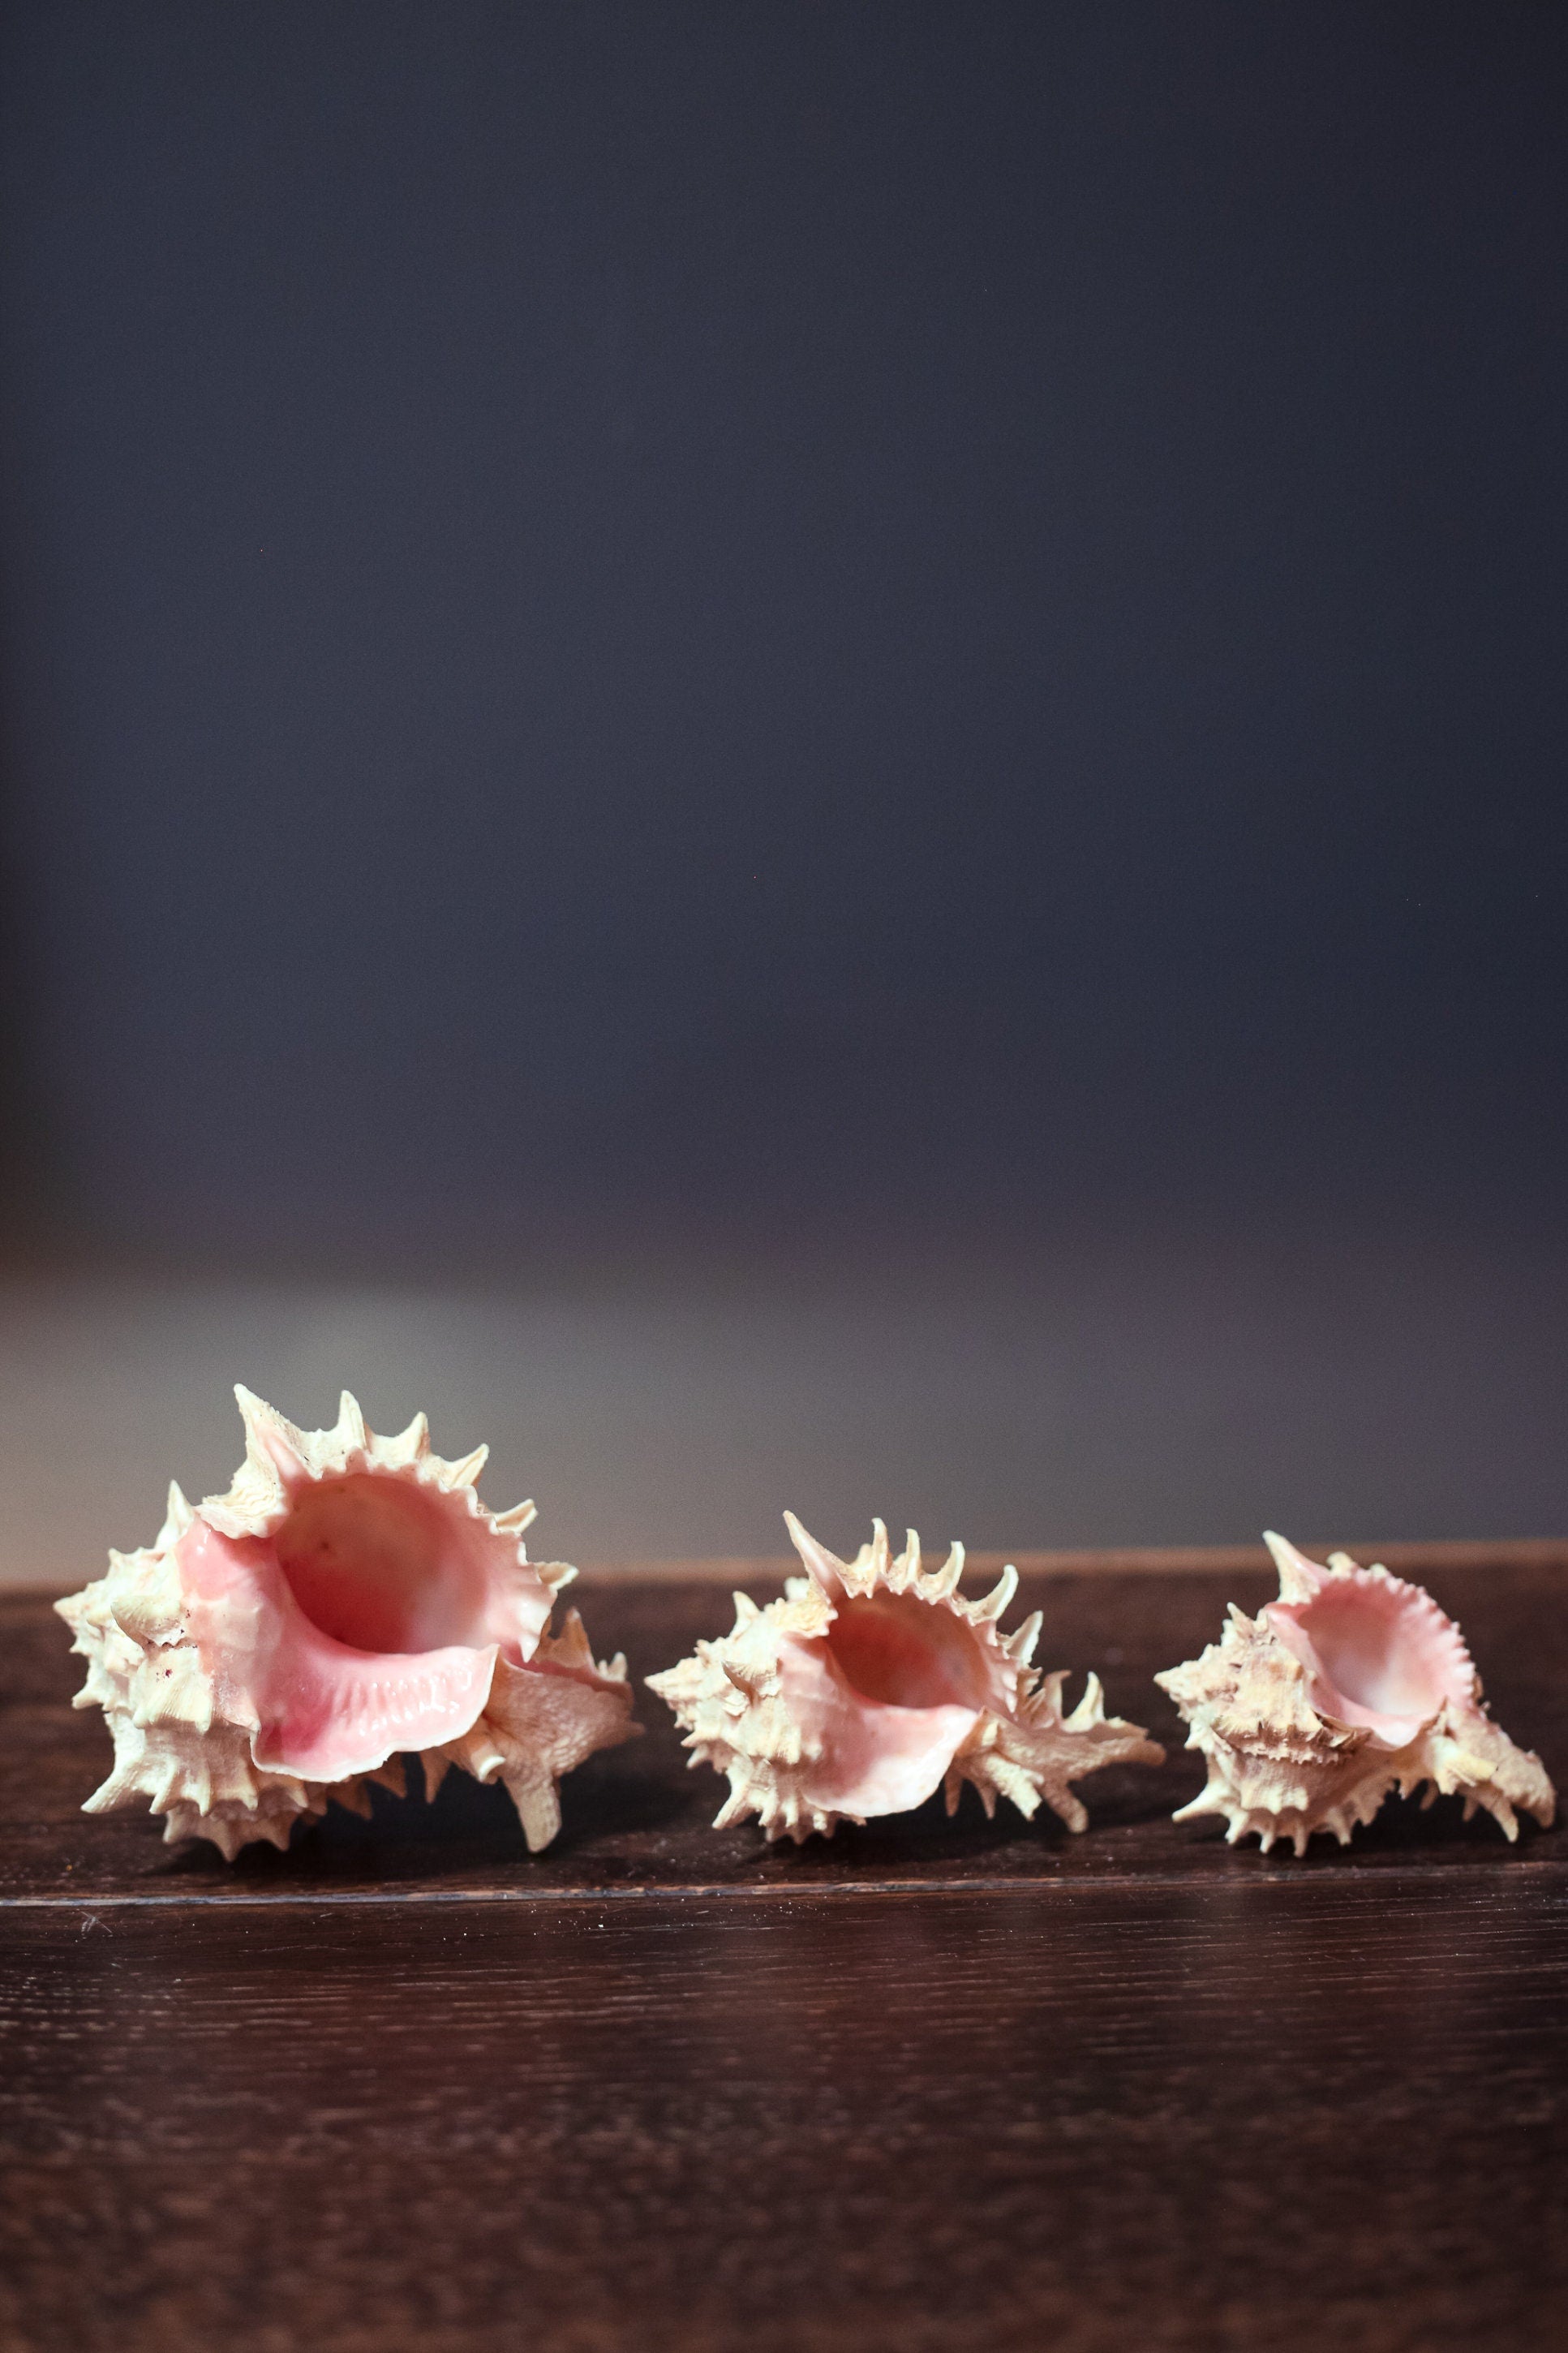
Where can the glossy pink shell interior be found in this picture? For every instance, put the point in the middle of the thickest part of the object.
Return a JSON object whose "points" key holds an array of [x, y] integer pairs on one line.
{"points": [[1380, 1652], [366, 1622], [890, 1691]]}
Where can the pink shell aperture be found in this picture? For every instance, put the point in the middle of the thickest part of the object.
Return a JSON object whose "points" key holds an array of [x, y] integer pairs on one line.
{"points": [[1352, 1684], [870, 1685], [349, 1600]]}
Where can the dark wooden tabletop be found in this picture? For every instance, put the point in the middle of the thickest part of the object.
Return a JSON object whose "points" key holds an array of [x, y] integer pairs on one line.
{"points": [[930, 2086]]}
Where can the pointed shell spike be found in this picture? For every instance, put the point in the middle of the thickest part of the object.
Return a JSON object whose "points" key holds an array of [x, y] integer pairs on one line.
{"points": [[264, 1422], [1020, 1646], [943, 1582], [997, 1599], [351, 1427], [178, 1517], [414, 1441], [824, 1567], [465, 1473], [1299, 1577]]}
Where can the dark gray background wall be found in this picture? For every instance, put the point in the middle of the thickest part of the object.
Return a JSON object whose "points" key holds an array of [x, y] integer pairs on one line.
{"points": [[782, 611], [794, 753]]}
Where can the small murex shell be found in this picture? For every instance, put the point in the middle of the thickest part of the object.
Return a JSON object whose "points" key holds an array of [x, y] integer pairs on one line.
{"points": [[1352, 1683], [868, 1685], [348, 1599]]}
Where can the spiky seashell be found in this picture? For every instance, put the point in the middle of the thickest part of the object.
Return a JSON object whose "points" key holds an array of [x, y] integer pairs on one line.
{"points": [[869, 1684], [1352, 1683], [347, 1601]]}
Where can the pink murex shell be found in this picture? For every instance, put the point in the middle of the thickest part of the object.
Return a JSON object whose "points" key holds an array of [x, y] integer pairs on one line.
{"points": [[1352, 1684], [349, 1600], [868, 1685]]}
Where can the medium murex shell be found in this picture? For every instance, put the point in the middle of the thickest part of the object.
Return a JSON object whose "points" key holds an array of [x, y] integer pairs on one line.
{"points": [[869, 1684], [348, 1599], [1350, 1684]]}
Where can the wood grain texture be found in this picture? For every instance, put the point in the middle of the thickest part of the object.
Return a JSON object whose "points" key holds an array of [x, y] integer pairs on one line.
{"points": [[933, 2085]]}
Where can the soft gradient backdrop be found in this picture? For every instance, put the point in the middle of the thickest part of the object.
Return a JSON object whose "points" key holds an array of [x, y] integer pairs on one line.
{"points": [[815, 753]]}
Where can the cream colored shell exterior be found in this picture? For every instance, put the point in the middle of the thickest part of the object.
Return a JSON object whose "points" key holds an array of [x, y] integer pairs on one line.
{"points": [[1279, 1768], [729, 1699], [184, 1744]]}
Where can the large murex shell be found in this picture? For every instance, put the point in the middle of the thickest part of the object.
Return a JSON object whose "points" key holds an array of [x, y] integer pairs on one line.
{"points": [[349, 1599], [1352, 1684], [868, 1685]]}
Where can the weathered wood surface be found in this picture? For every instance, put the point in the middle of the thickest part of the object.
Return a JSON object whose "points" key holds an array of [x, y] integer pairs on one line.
{"points": [[929, 2086]]}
